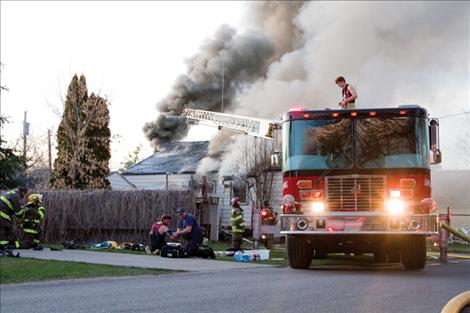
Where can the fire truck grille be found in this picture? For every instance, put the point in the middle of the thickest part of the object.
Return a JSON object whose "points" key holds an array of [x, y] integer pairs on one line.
{"points": [[355, 193]]}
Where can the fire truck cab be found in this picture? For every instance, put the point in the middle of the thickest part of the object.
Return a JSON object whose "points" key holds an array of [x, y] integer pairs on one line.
{"points": [[358, 181]]}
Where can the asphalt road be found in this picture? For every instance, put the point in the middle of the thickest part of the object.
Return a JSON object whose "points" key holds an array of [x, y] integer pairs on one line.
{"points": [[327, 289]]}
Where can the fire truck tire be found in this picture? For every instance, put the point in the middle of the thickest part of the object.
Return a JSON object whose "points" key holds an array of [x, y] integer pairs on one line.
{"points": [[380, 256], [299, 252], [320, 254], [394, 257], [413, 252]]}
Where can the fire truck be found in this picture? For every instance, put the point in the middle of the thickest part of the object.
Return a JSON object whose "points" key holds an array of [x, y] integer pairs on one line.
{"points": [[354, 181]]}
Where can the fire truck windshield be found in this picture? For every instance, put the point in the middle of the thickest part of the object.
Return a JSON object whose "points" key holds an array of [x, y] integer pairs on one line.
{"points": [[318, 144], [388, 142], [391, 142]]}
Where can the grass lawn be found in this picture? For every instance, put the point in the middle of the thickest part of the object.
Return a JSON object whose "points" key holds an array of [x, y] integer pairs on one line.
{"points": [[459, 248], [18, 270]]}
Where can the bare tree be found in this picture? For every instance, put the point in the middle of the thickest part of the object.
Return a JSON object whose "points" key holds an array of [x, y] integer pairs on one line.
{"points": [[254, 169]]}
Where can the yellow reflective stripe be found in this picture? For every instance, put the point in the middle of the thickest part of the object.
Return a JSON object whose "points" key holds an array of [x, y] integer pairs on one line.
{"points": [[20, 212], [4, 242], [7, 202], [41, 212], [29, 220], [17, 244], [237, 230], [36, 240], [237, 218], [5, 216], [30, 231]]}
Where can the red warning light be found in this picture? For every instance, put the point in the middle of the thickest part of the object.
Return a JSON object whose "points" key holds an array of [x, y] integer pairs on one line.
{"points": [[402, 112], [336, 114], [372, 113], [264, 213], [353, 113], [307, 115]]}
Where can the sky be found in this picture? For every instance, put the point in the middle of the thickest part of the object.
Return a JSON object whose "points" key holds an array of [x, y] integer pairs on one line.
{"points": [[130, 52]]}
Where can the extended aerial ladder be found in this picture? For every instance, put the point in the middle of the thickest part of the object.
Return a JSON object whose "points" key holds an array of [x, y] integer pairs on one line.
{"points": [[257, 127]]}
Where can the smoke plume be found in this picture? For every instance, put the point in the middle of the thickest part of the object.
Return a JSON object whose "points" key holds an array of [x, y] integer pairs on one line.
{"points": [[245, 56], [392, 52]]}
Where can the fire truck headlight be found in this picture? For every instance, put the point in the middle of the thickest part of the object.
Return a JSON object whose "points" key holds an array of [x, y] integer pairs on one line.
{"points": [[318, 207], [395, 206]]}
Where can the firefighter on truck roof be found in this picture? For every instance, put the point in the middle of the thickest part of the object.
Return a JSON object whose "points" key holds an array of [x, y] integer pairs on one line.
{"points": [[348, 93]]}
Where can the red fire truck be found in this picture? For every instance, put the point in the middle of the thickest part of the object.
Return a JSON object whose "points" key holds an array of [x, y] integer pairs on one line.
{"points": [[354, 181], [358, 181]]}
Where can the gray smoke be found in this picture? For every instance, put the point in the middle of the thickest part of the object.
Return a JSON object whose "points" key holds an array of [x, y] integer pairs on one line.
{"points": [[245, 56], [393, 52]]}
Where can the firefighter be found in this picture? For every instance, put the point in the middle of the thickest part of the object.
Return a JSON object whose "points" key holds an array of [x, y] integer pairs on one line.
{"points": [[268, 216], [32, 215], [238, 224], [349, 94], [10, 206]]}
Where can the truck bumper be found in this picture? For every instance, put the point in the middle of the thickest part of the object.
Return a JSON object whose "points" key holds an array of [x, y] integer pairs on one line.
{"points": [[358, 223]]}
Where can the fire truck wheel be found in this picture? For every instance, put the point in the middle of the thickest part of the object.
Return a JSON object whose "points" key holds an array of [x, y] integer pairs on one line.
{"points": [[299, 252], [320, 254], [413, 252], [380, 256], [394, 257]]}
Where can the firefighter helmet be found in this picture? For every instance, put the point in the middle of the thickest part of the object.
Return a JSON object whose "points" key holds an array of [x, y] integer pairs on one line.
{"points": [[288, 200], [35, 197], [428, 205], [235, 199]]}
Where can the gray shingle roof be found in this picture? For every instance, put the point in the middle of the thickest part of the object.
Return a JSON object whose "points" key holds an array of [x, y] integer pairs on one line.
{"points": [[174, 157]]}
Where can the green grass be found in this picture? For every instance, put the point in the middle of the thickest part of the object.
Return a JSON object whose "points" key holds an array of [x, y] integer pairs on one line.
{"points": [[18, 270], [59, 246], [459, 248]]}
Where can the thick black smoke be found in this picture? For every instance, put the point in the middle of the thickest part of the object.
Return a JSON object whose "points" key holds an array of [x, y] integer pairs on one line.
{"points": [[245, 56]]}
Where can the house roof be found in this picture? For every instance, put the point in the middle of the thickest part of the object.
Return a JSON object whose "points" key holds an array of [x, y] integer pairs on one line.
{"points": [[181, 157]]}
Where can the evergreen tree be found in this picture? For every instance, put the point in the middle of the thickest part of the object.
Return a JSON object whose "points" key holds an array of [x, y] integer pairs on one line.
{"points": [[83, 140], [11, 164]]}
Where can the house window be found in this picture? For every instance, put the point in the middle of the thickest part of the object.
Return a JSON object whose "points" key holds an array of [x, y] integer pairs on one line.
{"points": [[239, 190]]}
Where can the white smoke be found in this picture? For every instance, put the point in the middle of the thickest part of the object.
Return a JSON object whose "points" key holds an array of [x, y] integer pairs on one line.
{"points": [[393, 52]]}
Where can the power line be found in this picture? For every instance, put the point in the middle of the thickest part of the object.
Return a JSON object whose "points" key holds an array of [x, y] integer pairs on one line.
{"points": [[452, 115]]}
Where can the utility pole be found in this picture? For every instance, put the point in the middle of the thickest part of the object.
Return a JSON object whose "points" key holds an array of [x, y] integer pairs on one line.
{"points": [[222, 103], [49, 146], [25, 134]]}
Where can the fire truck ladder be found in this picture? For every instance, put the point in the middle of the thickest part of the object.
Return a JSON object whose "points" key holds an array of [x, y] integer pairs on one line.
{"points": [[257, 127]]}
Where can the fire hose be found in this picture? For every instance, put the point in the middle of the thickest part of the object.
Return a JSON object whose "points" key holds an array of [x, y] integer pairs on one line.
{"points": [[458, 303], [456, 232]]}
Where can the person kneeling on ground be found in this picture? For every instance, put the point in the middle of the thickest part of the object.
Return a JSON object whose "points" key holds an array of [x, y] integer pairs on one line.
{"points": [[159, 234], [189, 229]]}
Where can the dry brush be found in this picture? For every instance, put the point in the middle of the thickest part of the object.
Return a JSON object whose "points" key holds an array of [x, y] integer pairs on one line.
{"points": [[108, 215]]}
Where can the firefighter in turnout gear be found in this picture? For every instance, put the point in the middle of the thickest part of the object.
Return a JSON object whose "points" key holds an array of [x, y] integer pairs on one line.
{"points": [[238, 224], [10, 206], [268, 216], [32, 215]]}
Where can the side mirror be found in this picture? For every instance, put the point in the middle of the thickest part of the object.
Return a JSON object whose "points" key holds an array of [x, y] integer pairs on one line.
{"points": [[276, 159], [436, 156]]}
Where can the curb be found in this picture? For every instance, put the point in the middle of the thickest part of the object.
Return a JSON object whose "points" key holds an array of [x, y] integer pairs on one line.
{"points": [[451, 255], [457, 303]]}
